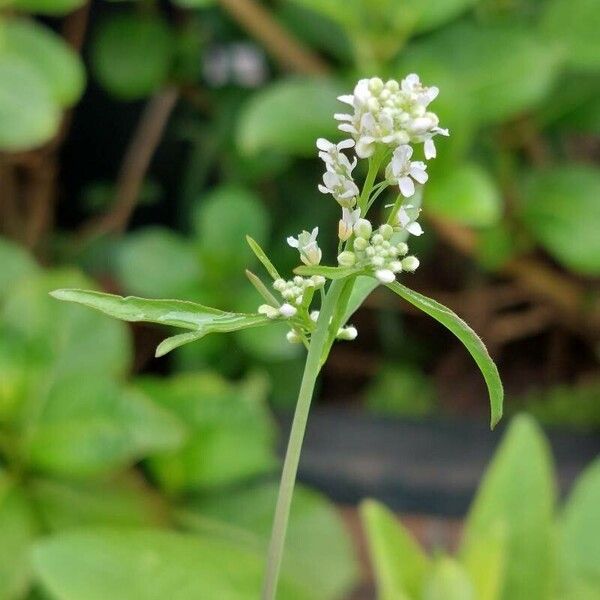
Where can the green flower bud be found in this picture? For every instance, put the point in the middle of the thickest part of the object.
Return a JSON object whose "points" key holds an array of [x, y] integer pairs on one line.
{"points": [[386, 231], [363, 229], [410, 263], [346, 259]]}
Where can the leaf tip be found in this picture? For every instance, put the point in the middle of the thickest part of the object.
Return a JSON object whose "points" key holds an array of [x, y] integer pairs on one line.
{"points": [[61, 294]]}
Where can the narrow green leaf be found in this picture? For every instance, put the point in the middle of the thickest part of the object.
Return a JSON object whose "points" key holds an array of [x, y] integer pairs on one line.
{"points": [[178, 313], [467, 336], [263, 258], [399, 563], [175, 341], [449, 581], [327, 272], [261, 288]]}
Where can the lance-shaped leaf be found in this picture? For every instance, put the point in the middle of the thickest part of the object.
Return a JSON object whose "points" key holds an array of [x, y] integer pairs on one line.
{"points": [[467, 336], [202, 320], [327, 272], [263, 258]]}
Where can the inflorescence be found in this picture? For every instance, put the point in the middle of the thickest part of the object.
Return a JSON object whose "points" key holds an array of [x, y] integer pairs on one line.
{"points": [[389, 121]]}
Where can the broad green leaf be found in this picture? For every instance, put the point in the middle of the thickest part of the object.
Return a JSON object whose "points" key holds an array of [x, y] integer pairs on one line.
{"points": [[498, 71], [70, 338], [318, 551], [485, 561], [132, 54], [288, 116], [17, 531], [561, 210], [124, 501], [155, 262], [262, 257], [128, 564], [28, 115], [400, 565], [448, 581], [517, 496], [580, 534], [327, 272], [88, 426], [48, 54], [221, 219], [574, 25], [466, 194], [231, 434], [15, 264], [178, 313], [467, 336], [47, 7]]}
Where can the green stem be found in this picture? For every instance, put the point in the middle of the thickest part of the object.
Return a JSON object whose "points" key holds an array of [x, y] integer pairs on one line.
{"points": [[374, 165], [292, 456]]}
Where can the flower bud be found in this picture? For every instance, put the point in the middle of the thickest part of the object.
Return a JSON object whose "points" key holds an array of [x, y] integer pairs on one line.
{"points": [[293, 337], [269, 311], [385, 275], [344, 230], [314, 315], [360, 244], [346, 259], [402, 248], [410, 263], [363, 229], [348, 333], [386, 231], [375, 85], [318, 280], [287, 310]]}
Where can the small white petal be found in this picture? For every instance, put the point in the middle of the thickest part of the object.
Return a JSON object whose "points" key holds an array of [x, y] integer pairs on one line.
{"points": [[292, 241], [323, 189], [414, 228], [429, 149], [345, 144], [347, 99], [342, 117], [323, 144], [418, 173], [407, 186], [347, 128]]}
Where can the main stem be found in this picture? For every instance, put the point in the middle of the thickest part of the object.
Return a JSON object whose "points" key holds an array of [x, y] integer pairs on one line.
{"points": [[292, 456]]}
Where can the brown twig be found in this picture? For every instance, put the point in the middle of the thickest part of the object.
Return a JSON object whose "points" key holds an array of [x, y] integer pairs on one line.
{"points": [[289, 52], [135, 164]]}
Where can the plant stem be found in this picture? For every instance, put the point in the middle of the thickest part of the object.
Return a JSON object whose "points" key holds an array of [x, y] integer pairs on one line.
{"points": [[292, 456]]}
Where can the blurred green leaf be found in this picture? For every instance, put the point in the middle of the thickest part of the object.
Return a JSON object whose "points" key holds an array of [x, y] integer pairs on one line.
{"points": [[221, 220], [517, 496], [123, 501], [468, 338], [28, 115], [399, 389], [485, 561], [448, 581], [561, 210], [318, 553], [580, 534], [177, 313], [72, 339], [231, 435], [15, 264], [123, 564], [466, 195], [17, 370], [194, 3], [399, 563], [498, 71], [574, 26], [157, 262], [132, 55], [48, 54], [88, 426], [288, 116], [17, 531], [47, 7]]}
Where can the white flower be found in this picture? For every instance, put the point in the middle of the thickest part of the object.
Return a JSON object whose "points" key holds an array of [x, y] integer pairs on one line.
{"points": [[429, 145], [306, 243], [347, 222], [342, 188], [389, 113], [333, 157], [402, 170], [408, 222]]}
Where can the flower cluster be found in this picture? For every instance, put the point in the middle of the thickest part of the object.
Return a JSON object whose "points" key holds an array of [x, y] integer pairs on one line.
{"points": [[391, 113], [296, 293], [387, 120], [377, 252]]}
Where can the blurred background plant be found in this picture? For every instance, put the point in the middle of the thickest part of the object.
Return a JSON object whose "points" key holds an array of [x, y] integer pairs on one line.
{"points": [[131, 132]]}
